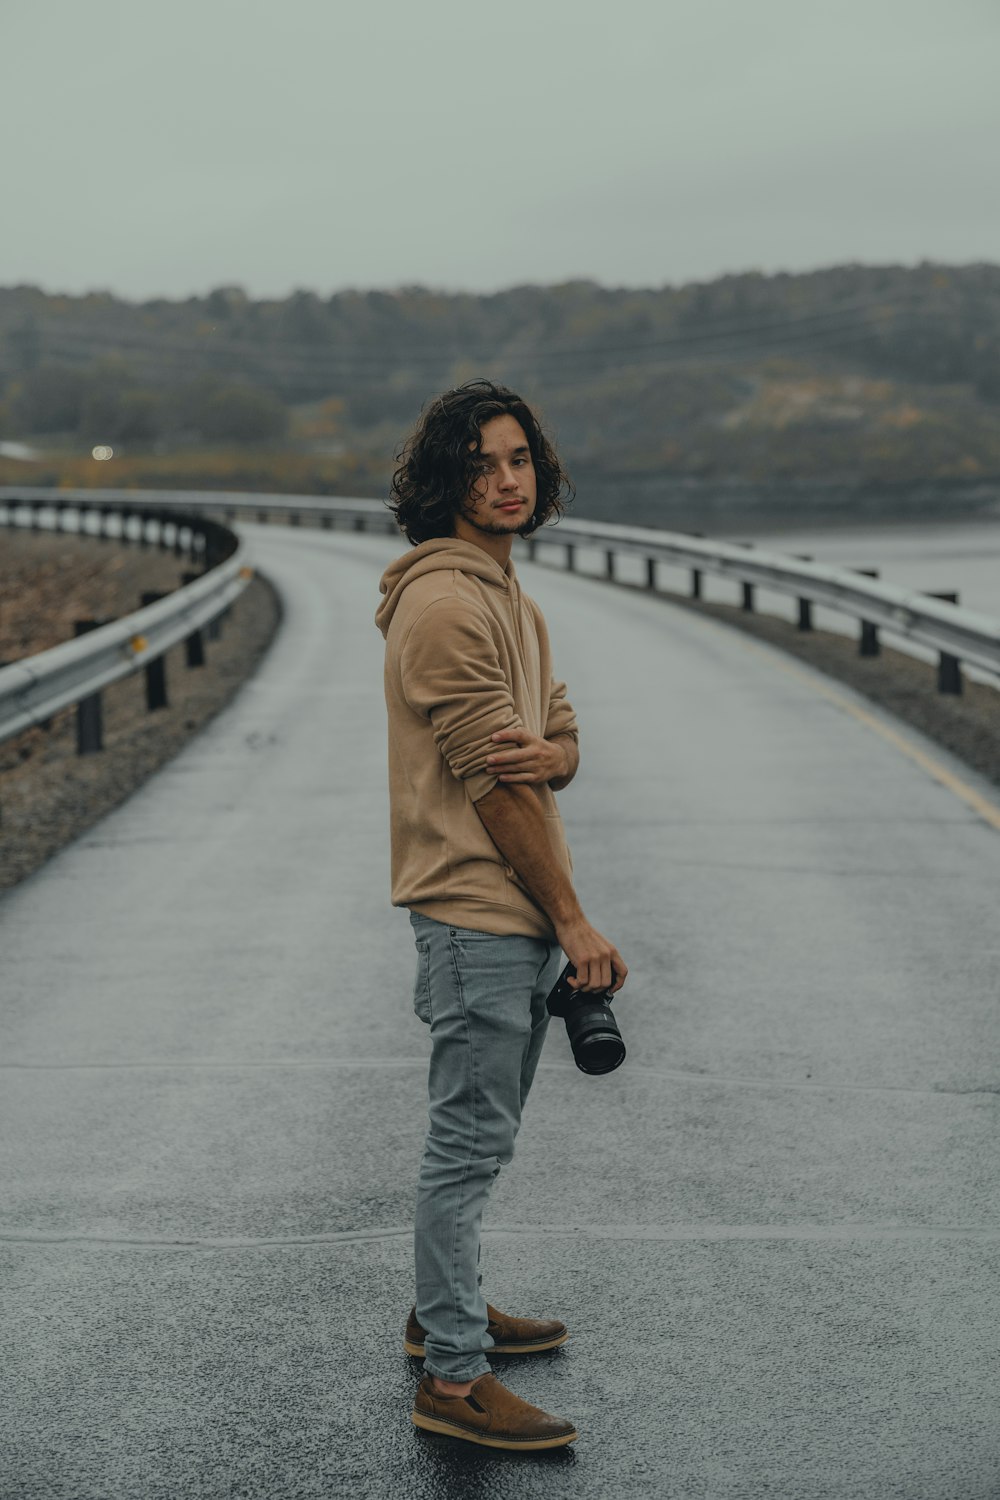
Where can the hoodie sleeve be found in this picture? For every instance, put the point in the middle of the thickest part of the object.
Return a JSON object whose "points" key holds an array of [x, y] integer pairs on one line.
{"points": [[560, 719], [451, 675], [559, 716]]}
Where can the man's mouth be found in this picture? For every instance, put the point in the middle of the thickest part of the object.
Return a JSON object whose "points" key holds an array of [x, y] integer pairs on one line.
{"points": [[511, 505]]}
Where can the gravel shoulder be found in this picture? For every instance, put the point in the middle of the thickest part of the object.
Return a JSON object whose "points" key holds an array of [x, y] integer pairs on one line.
{"points": [[49, 795]]}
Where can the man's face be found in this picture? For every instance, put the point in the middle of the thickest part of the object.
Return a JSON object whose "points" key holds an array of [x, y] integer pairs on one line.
{"points": [[504, 499]]}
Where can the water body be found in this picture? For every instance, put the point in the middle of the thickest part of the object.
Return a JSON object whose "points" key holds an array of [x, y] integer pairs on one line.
{"points": [[931, 537], [718, 506], [960, 556]]}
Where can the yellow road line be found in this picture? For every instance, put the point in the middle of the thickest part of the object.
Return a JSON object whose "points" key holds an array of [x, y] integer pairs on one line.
{"points": [[980, 805]]}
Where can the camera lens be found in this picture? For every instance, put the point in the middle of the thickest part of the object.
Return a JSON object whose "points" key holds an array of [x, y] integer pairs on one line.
{"points": [[590, 1027], [595, 1039]]}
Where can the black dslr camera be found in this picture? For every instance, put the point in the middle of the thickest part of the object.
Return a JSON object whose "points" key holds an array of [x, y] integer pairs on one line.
{"points": [[592, 1029]]}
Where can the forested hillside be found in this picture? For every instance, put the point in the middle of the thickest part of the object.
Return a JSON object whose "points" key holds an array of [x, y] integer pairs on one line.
{"points": [[857, 375]]}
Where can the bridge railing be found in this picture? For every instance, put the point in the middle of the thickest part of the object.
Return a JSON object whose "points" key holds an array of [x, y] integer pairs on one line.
{"points": [[957, 634], [74, 672]]}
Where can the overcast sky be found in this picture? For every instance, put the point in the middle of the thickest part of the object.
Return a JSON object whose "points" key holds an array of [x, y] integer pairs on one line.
{"points": [[164, 149]]}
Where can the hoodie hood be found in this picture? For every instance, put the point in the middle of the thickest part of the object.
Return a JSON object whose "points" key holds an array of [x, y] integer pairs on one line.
{"points": [[439, 554]]}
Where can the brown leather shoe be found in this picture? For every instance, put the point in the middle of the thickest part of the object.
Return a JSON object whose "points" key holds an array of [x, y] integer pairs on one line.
{"points": [[490, 1415], [509, 1335]]}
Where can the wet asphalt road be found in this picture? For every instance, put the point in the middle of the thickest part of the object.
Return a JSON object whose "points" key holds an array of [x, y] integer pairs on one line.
{"points": [[774, 1234]]}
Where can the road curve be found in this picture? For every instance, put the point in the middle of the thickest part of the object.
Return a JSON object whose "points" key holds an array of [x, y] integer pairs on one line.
{"points": [[774, 1233]]}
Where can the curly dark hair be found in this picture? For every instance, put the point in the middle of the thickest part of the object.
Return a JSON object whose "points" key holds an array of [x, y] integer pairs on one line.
{"points": [[441, 462]]}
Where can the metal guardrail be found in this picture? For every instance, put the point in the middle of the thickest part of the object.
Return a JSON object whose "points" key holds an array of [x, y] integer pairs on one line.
{"points": [[959, 635], [229, 504], [34, 689], [962, 633]]}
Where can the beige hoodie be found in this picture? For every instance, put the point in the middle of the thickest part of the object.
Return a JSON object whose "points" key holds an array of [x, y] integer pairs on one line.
{"points": [[467, 653]]}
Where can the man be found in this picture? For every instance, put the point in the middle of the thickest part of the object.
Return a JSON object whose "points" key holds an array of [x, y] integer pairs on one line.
{"points": [[480, 738]]}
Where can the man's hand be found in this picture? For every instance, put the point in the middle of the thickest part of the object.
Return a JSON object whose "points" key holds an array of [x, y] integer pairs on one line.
{"points": [[599, 966], [529, 758]]}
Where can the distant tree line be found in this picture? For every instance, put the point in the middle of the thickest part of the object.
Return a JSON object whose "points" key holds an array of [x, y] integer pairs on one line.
{"points": [[102, 403], [932, 323], [744, 375]]}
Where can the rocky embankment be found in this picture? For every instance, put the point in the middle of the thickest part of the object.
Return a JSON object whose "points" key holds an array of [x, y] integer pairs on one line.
{"points": [[48, 793]]}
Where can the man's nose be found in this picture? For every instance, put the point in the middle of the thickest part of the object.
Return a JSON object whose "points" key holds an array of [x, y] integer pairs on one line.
{"points": [[508, 479]]}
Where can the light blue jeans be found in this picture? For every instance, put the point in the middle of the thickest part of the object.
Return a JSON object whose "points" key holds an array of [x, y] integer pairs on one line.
{"points": [[483, 997]]}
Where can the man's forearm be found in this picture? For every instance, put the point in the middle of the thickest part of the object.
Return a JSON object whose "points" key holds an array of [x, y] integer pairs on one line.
{"points": [[572, 759], [512, 816]]}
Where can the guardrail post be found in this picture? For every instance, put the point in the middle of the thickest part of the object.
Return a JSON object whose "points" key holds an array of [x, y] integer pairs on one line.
{"points": [[262, 517], [194, 649], [532, 546], [216, 546], [696, 572], [156, 671], [746, 588], [651, 572], [194, 644], [609, 565], [868, 641], [294, 519], [36, 524], [326, 521], [570, 557], [949, 676], [89, 721], [805, 620], [215, 554], [359, 523]]}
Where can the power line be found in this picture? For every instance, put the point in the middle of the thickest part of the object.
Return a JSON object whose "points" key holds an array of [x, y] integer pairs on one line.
{"points": [[272, 352], [674, 353]]}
